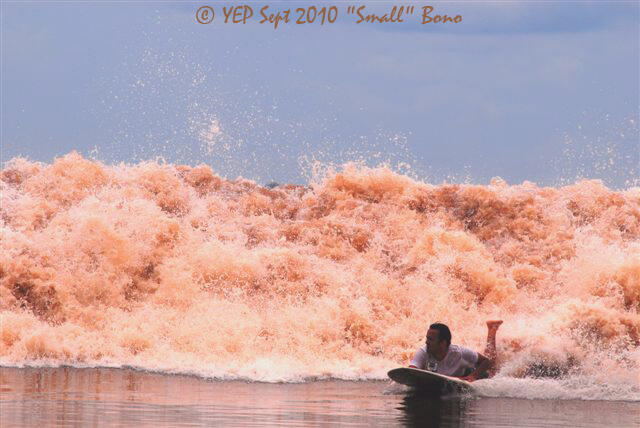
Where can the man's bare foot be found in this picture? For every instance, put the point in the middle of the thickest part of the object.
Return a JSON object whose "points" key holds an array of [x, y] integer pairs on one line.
{"points": [[494, 324]]}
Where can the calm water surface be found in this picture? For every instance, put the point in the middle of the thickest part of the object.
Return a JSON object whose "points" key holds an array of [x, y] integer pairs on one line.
{"points": [[108, 397]]}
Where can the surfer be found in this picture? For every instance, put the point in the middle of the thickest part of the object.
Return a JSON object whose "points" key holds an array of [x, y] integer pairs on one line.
{"points": [[440, 356]]}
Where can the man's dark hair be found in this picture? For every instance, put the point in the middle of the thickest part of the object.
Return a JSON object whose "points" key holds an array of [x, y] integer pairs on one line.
{"points": [[443, 332]]}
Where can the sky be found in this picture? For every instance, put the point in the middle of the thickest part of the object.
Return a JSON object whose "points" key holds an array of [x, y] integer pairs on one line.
{"points": [[547, 92]]}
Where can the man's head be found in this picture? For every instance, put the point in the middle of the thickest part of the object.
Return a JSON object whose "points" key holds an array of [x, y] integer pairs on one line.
{"points": [[438, 339]]}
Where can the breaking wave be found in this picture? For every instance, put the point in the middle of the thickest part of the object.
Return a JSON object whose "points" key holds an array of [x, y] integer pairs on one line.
{"points": [[172, 268]]}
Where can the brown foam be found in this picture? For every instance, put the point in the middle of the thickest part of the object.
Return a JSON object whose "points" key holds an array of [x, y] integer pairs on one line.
{"points": [[171, 267]]}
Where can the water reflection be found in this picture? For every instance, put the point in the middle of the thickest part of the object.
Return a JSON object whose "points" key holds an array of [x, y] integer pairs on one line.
{"points": [[69, 396], [419, 409]]}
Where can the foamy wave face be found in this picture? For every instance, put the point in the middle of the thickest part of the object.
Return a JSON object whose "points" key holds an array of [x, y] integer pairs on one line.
{"points": [[172, 268]]}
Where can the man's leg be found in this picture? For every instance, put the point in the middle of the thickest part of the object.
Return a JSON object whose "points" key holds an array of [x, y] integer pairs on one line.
{"points": [[490, 351]]}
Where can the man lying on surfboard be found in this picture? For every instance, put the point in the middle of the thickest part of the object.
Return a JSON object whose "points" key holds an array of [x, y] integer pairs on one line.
{"points": [[440, 356]]}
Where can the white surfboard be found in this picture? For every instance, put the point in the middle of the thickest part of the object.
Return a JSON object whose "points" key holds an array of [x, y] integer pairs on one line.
{"points": [[429, 381]]}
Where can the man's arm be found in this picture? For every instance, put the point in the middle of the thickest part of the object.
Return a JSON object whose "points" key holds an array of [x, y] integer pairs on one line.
{"points": [[419, 359], [482, 366]]}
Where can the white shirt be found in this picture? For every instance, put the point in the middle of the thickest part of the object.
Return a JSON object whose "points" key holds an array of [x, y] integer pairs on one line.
{"points": [[459, 361]]}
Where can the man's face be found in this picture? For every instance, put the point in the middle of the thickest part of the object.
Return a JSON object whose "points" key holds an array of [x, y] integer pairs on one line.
{"points": [[433, 341]]}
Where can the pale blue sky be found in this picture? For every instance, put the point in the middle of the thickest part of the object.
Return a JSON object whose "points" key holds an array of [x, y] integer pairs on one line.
{"points": [[540, 91]]}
